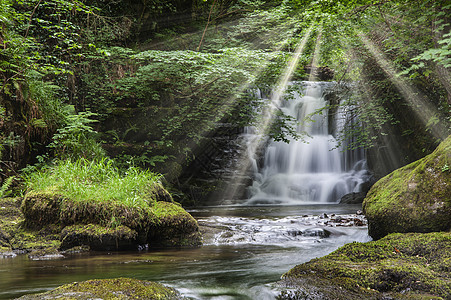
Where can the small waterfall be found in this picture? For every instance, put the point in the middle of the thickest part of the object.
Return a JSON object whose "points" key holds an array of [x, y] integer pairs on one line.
{"points": [[316, 170]]}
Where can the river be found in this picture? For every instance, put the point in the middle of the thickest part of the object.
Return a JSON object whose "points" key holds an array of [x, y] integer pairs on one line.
{"points": [[245, 251]]}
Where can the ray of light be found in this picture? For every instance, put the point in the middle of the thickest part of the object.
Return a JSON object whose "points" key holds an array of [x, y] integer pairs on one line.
{"points": [[229, 103], [316, 55], [191, 39], [422, 108], [244, 161]]}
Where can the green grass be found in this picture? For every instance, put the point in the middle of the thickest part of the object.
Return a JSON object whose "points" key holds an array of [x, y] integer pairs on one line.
{"points": [[83, 180]]}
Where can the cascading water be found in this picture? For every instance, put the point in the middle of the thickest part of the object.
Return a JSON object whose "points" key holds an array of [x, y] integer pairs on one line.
{"points": [[316, 170]]}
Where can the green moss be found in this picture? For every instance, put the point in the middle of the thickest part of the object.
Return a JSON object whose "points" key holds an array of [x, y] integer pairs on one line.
{"points": [[84, 194], [414, 198], [14, 236], [399, 262], [98, 237], [120, 288], [173, 226], [162, 224]]}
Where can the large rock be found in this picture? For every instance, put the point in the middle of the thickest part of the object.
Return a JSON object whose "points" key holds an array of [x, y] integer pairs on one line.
{"points": [[398, 266], [414, 198], [109, 225], [120, 288]]}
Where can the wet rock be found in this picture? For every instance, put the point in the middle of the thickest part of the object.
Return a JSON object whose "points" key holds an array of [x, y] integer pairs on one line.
{"points": [[120, 288], [173, 226], [97, 237], [7, 254], [322, 73], [414, 198], [316, 232], [359, 222], [76, 250], [353, 198]]}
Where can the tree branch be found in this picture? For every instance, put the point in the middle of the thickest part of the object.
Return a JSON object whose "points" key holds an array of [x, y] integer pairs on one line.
{"points": [[208, 22], [31, 17]]}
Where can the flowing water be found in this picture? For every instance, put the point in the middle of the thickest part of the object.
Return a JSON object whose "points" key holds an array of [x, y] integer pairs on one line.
{"points": [[314, 170], [247, 246], [246, 250]]}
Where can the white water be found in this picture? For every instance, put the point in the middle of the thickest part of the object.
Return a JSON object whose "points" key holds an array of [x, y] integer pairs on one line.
{"points": [[316, 170]]}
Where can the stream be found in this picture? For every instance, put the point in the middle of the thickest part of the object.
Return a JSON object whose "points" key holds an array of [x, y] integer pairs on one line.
{"points": [[246, 250]]}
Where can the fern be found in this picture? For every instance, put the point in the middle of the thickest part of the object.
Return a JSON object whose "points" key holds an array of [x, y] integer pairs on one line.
{"points": [[4, 190]]}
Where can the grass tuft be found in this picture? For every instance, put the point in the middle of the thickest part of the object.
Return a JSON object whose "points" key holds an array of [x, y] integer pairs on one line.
{"points": [[100, 181]]}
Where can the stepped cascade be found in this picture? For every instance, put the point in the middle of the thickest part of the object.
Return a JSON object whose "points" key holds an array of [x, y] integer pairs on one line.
{"points": [[314, 169]]}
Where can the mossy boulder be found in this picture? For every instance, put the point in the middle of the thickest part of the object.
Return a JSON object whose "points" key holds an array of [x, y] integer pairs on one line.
{"points": [[98, 237], [173, 226], [120, 288], [108, 225], [400, 266], [15, 238], [41, 209], [414, 198]]}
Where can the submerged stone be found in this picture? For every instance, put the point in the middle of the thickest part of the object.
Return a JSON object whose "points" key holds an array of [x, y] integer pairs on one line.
{"points": [[398, 266], [120, 288], [414, 198]]}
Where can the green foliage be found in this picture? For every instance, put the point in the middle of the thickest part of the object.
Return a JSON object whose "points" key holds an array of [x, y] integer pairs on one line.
{"points": [[5, 188], [83, 180], [77, 139]]}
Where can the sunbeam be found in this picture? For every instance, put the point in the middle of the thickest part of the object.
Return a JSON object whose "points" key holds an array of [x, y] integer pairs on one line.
{"points": [[316, 54], [244, 162], [424, 110]]}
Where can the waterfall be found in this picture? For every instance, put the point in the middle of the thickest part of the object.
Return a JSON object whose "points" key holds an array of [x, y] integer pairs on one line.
{"points": [[313, 170]]}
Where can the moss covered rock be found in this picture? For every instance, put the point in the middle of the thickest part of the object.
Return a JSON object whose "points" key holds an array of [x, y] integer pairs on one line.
{"points": [[120, 288], [402, 266], [16, 238], [173, 226], [98, 237], [414, 198], [10, 217], [108, 225], [41, 209]]}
